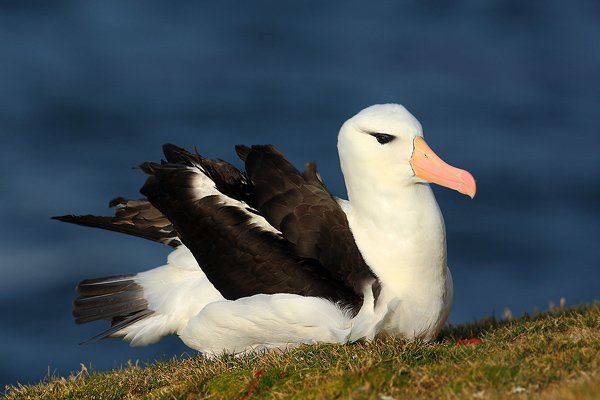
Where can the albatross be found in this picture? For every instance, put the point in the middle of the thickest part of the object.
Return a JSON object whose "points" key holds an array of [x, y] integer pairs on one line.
{"points": [[267, 258]]}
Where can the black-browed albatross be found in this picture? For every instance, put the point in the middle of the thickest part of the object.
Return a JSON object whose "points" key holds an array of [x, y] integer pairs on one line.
{"points": [[268, 258]]}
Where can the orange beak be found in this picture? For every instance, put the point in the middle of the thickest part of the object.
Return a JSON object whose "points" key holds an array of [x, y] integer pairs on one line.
{"points": [[427, 165]]}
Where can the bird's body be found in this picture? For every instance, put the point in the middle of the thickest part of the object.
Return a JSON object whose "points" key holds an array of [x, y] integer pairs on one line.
{"points": [[268, 258]]}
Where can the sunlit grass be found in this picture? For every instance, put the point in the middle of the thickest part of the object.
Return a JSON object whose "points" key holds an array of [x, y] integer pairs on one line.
{"points": [[552, 355]]}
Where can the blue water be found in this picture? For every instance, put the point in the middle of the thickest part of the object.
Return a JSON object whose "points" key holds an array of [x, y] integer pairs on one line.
{"points": [[509, 90]]}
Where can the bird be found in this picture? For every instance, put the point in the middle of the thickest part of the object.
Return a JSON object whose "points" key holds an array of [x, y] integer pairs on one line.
{"points": [[267, 258]]}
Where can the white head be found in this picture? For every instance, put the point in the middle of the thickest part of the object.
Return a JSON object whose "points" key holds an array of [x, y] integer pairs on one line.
{"points": [[382, 147]]}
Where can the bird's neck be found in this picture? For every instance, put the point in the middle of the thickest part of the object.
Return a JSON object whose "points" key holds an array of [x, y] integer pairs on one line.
{"points": [[400, 233], [402, 238]]}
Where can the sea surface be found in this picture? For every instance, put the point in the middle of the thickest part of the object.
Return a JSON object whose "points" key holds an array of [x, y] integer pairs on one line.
{"points": [[509, 90]]}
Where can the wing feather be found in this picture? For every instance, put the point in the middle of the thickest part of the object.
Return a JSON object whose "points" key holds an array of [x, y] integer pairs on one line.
{"points": [[133, 217], [270, 229], [240, 253], [308, 216]]}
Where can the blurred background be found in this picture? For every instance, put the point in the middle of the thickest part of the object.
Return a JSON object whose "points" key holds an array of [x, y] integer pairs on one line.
{"points": [[509, 90]]}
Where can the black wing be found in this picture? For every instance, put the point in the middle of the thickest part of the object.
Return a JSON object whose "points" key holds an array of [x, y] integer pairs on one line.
{"points": [[290, 234], [227, 179], [134, 217], [308, 216], [238, 251], [140, 218]]}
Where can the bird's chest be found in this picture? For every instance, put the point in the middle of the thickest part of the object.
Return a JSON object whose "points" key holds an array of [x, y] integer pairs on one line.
{"points": [[409, 260]]}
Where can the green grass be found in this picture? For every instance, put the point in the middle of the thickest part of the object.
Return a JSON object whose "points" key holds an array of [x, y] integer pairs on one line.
{"points": [[553, 355]]}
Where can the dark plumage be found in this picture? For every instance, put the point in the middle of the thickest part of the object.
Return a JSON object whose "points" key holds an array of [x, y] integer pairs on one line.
{"points": [[134, 217], [115, 298], [308, 251], [307, 215], [259, 260]]}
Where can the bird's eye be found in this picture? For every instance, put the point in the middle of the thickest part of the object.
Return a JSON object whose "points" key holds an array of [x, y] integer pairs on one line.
{"points": [[383, 138]]}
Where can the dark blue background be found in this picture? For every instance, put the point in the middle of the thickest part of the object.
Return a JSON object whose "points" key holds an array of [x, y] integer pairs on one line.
{"points": [[509, 90]]}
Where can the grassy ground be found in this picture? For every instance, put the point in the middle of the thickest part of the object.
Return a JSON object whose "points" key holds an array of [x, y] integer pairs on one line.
{"points": [[551, 356]]}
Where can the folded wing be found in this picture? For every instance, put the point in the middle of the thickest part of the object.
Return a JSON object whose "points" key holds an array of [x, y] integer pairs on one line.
{"points": [[308, 216], [238, 250], [268, 230]]}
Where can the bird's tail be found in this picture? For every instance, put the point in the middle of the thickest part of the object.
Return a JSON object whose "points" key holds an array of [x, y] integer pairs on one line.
{"points": [[144, 307], [118, 299]]}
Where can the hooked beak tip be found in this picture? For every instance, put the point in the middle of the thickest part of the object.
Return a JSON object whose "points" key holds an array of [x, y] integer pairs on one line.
{"points": [[469, 185]]}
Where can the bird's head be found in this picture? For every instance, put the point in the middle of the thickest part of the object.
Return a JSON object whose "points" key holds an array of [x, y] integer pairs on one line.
{"points": [[384, 145]]}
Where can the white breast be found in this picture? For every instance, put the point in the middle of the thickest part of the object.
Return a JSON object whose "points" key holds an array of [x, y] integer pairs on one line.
{"points": [[404, 243]]}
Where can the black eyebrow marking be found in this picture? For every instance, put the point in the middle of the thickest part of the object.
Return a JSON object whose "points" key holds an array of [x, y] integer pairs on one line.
{"points": [[382, 138]]}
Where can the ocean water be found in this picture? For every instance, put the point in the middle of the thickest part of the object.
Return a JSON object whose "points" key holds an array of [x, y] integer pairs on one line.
{"points": [[509, 90]]}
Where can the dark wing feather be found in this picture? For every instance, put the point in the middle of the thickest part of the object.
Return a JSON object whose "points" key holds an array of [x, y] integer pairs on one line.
{"points": [[134, 217], [312, 176], [227, 179], [239, 257], [119, 324], [118, 299], [307, 215]]}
